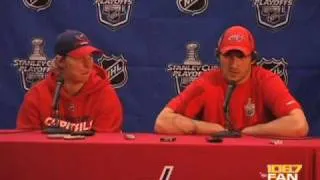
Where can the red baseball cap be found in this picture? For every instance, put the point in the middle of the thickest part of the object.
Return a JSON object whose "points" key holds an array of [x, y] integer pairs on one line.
{"points": [[237, 38]]}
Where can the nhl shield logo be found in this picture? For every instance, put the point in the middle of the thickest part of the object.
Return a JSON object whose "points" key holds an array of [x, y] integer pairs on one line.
{"points": [[273, 14], [116, 67], [192, 7], [277, 66], [114, 13], [37, 5], [36, 67]]}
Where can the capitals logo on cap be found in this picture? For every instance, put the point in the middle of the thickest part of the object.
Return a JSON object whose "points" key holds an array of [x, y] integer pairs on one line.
{"points": [[37, 5], [81, 40], [236, 38]]}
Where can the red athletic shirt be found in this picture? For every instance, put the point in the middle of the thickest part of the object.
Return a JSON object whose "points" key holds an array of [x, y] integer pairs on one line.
{"points": [[96, 107], [262, 98]]}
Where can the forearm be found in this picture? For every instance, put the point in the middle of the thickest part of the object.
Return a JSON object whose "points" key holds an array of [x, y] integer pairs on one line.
{"points": [[292, 125], [203, 127], [169, 122]]}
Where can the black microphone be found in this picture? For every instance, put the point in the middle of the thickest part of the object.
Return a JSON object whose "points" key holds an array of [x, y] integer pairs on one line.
{"points": [[55, 129], [231, 87], [84, 133], [226, 104], [56, 96], [226, 109]]}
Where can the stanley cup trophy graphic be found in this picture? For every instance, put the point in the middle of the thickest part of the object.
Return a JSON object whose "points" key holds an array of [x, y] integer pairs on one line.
{"points": [[192, 59], [34, 75], [37, 52], [34, 68], [192, 54]]}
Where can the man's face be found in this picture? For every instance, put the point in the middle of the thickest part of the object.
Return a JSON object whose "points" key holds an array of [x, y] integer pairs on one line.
{"points": [[77, 70], [235, 66]]}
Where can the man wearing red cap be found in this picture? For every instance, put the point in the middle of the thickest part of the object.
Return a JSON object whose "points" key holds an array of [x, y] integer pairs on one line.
{"points": [[87, 99], [260, 103]]}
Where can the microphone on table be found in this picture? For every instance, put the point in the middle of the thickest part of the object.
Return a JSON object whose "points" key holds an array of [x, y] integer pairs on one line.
{"points": [[226, 109], [80, 134], [83, 133], [55, 128]]}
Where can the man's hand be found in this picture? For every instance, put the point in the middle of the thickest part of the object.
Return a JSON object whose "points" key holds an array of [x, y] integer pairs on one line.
{"points": [[169, 122], [248, 130]]}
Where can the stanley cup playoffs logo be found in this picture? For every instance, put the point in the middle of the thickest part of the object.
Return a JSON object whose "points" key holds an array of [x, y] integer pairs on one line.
{"points": [[114, 13], [273, 14], [36, 67], [191, 68], [192, 7], [116, 67]]}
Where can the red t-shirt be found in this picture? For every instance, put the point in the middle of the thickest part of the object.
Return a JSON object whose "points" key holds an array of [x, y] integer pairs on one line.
{"points": [[96, 107], [262, 98]]}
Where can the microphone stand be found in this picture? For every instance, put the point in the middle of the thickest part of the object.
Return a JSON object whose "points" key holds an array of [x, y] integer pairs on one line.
{"points": [[230, 132], [84, 133], [55, 128]]}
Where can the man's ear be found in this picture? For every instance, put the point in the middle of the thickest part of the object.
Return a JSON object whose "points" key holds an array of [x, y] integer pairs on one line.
{"points": [[217, 54], [60, 61], [255, 57]]}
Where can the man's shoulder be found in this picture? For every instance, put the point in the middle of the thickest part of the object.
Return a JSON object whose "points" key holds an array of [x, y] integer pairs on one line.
{"points": [[97, 85], [211, 75], [211, 78], [265, 78], [261, 73], [41, 86]]}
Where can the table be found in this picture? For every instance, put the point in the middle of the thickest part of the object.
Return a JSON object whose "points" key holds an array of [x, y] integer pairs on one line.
{"points": [[31, 155], [317, 165]]}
